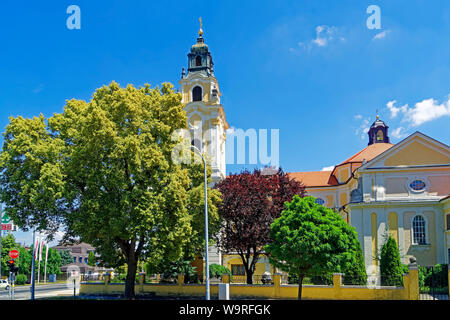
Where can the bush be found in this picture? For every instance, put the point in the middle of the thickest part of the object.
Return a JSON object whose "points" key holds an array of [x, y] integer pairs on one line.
{"points": [[21, 279], [217, 270]]}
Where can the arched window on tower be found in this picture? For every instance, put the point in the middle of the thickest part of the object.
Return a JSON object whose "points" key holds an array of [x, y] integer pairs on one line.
{"points": [[198, 61], [197, 94], [380, 136]]}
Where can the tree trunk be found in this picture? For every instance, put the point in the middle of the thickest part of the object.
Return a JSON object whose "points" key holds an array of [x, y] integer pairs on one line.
{"points": [[131, 277], [300, 282], [249, 277]]}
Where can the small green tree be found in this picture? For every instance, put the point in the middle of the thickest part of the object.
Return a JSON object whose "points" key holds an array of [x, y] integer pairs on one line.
{"points": [[23, 262], [66, 257], [91, 259], [53, 262], [391, 268], [309, 239]]}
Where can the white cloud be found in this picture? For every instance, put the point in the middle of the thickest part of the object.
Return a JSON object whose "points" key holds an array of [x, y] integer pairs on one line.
{"points": [[394, 110], [363, 127], [324, 35], [425, 111], [399, 133], [381, 35], [358, 116], [330, 168]]}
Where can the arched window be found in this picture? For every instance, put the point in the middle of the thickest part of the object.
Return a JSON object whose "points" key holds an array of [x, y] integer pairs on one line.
{"points": [[418, 225], [197, 94], [198, 61], [380, 135]]}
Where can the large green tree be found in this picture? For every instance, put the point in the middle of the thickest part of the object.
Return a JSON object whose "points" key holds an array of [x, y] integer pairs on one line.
{"points": [[311, 240], [104, 170]]}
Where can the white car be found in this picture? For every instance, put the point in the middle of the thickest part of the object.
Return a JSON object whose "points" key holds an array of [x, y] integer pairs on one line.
{"points": [[4, 284]]}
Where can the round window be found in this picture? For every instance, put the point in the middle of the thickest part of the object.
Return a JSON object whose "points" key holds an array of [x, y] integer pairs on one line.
{"points": [[320, 201], [417, 185]]}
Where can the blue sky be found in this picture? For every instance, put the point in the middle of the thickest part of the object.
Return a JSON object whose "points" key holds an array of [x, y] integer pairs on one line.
{"points": [[311, 69]]}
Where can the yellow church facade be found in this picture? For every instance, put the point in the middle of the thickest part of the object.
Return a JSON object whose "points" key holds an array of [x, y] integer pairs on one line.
{"points": [[399, 189]]}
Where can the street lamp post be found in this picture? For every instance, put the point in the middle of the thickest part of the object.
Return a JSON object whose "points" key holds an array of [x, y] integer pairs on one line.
{"points": [[33, 266], [206, 224]]}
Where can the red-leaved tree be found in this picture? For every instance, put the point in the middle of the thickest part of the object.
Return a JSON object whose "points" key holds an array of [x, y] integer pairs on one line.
{"points": [[251, 201]]}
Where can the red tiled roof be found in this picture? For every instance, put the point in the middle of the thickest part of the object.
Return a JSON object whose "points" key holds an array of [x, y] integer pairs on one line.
{"points": [[369, 152], [327, 178], [314, 178]]}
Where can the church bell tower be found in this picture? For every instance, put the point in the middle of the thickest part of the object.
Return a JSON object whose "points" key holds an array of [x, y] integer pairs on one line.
{"points": [[201, 97], [378, 132]]}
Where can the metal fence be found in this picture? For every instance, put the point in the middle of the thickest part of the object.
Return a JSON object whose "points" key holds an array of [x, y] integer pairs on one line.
{"points": [[434, 283]]}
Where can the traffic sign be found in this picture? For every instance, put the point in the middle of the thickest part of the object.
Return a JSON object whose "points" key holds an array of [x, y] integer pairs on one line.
{"points": [[14, 254], [7, 226], [5, 218]]}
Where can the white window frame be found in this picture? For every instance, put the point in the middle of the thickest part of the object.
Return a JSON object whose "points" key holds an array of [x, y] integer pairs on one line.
{"points": [[427, 241]]}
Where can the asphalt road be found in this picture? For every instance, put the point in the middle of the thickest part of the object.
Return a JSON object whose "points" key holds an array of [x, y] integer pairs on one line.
{"points": [[41, 291]]}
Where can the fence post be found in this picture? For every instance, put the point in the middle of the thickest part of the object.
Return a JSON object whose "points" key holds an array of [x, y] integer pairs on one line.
{"points": [[277, 285], [226, 278], [180, 279], [413, 280]]}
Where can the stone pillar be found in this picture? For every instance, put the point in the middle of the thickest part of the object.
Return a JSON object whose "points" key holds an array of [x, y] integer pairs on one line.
{"points": [[141, 281], [225, 278], [337, 280], [180, 279], [413, 280], [277, 285]]}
